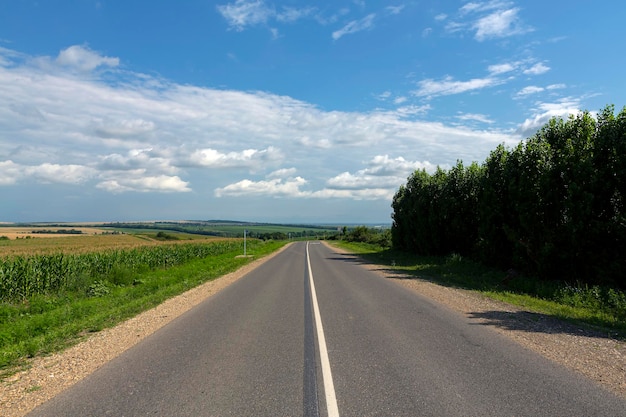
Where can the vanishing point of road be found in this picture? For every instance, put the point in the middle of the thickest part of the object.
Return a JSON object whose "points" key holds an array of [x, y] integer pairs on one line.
{"points": [[312, 333]]}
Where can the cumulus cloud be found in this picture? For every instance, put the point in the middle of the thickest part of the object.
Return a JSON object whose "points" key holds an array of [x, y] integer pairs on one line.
{"points": [[148, 160], [498, 24], [12, 173], [544, 111], [9, 172], [161, 183], [275, 187], [248, 158], [379, 180], [502, 68], [84, 59], [537, 69], [531, 89], [147, 134], [381, 177]]}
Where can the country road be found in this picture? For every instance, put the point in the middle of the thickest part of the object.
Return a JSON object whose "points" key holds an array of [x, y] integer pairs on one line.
{"points": [[311, 332]]}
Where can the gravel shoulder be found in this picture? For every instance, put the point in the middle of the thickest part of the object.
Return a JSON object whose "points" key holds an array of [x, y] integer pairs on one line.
{"points": [[592, 354]]}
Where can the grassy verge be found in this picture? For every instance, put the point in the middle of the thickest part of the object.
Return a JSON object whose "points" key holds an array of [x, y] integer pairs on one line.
{"points": [[46, 323], [599, 307]]}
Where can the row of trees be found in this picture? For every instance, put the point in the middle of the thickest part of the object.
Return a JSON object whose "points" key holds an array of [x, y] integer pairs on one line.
{"points": [[554, 206]]}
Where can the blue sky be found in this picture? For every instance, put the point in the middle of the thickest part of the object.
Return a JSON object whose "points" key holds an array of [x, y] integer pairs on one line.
{"points": [[278, 111]]}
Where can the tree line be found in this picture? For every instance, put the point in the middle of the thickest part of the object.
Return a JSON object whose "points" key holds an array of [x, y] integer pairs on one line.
{"points": [[554, 206]]}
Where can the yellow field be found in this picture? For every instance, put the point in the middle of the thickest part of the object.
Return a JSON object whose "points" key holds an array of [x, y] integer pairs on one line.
{"points": [[22, 232], [79, 243]]}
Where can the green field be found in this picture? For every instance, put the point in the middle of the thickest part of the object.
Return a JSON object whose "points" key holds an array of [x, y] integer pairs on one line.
{"points": [[49, 300]]}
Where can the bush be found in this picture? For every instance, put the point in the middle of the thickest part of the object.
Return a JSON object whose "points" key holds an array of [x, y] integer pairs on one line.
{"points": [[363, 234]]}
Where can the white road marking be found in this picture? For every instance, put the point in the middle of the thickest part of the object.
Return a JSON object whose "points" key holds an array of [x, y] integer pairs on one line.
{"points": [[329, 387]]}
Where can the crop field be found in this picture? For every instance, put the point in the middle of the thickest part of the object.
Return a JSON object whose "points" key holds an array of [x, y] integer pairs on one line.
{"points": [[30, 232], [34, 244], [39, 268], [54, 290]]}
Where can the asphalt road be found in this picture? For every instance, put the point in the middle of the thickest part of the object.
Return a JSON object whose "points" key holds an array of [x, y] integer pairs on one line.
{"points": [[257, 348]]}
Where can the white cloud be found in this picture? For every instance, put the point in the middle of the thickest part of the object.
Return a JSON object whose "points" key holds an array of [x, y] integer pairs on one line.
{"points": [[531, 89], [292, 14], [499, 24], [448, 86], [543, 112], [117, 128], [488, 20], [147, 160], [249, 158], [408, 111], [400, 100], [161, 183], [283, 173], [380, 180], [12, 173], [475, 117], [502, 68], [384, 95], [84, 59], [556, 86], [275, 187], [537, 69], [146, 134], [394, 9], [355, 26], [485, 6], [56, 173], [243, 13], [9, 173]]}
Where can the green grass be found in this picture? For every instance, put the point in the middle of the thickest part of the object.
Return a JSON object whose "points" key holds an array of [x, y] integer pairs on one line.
{"points": [[600, 308], [45, 323]]}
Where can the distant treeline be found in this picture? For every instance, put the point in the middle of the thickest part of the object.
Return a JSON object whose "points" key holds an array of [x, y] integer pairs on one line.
{"points": [[554, 206], [57, 232], [224, 228]]}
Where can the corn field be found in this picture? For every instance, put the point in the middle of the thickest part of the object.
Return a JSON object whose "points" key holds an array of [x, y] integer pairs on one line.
{"points": [[25, 276]]}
